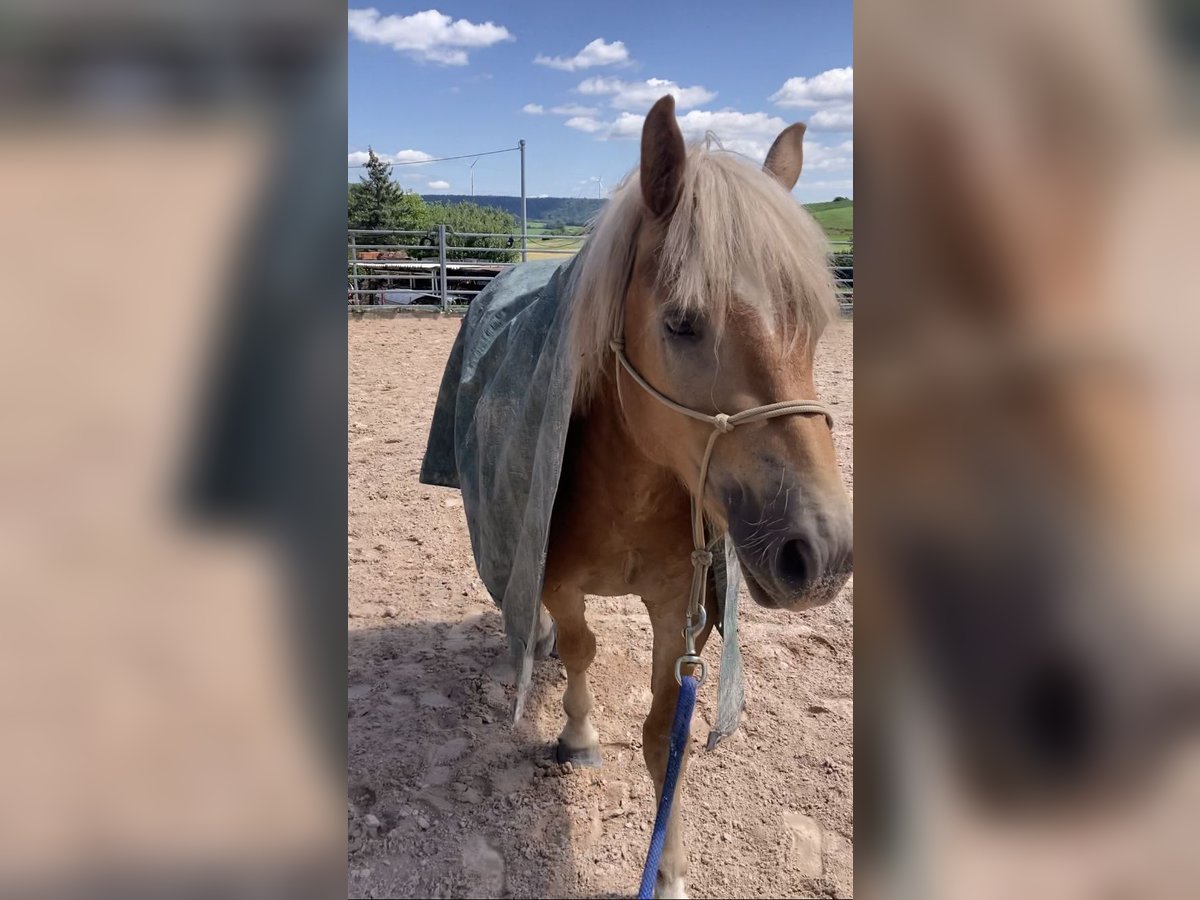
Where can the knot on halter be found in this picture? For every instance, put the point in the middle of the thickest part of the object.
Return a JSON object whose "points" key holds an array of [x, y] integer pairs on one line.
{"points": [[617, 345], [722, 423], [702, 557]]}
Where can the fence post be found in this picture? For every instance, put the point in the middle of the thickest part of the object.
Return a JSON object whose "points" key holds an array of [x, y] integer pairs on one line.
{"points": [[442, 267], [354, 264]]}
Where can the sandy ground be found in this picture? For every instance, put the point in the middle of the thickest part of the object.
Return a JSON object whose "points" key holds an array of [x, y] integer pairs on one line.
{"points": [[446, 799]]}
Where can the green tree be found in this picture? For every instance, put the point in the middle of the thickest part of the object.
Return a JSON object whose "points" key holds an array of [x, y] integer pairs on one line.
{"points": [[373, 199], [470, 218], [378, 202]]}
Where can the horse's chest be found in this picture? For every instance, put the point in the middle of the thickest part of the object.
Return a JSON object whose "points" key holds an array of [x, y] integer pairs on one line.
{"points": [[616, 532]]}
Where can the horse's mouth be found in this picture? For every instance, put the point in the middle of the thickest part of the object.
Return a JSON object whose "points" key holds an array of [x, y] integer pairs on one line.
{"points": [[757, 593], [818, 594]]}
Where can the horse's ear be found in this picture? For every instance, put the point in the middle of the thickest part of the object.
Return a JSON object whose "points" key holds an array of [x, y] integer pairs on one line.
{"points": [[663, 158], [786, 156]]}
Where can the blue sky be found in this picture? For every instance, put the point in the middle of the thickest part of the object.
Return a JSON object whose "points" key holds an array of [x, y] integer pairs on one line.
{"points": [[574, 80]]}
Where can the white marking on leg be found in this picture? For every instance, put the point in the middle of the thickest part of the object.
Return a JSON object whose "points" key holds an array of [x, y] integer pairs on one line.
{"points": [[579, 733], [670, 888]]}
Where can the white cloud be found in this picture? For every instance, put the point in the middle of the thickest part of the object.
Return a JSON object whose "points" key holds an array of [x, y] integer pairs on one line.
{"points": [[567, 109], [574, 109], [439, 185], [698, 122], [747, 133], [585, 123], [750, 134], [840, 118], [428, 36], [641, 95], [834, 86], [627, 125], [828, 158], [830, 94], [359, 157], [597, 53]]}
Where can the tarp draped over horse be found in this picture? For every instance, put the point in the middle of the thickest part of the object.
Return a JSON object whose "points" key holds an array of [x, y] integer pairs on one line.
{"points": [[499, 434]]}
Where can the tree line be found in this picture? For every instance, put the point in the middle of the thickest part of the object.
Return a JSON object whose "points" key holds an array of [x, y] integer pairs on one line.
{"points": [[378, 202], [554, 211]]}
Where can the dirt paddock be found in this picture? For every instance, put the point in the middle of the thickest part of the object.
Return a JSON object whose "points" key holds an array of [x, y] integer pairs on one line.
{"points": [[446, 799]]}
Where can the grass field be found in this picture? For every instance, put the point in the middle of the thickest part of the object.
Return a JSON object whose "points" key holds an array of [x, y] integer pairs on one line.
{"points": [[536, 226], [543, 246], [836, 217]]}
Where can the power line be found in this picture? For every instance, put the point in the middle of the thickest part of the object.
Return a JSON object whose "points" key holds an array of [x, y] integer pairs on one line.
{"points": [[420, 162]]}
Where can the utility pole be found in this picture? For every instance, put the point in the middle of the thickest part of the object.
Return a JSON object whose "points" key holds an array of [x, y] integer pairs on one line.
{"points": [[524, 217]]}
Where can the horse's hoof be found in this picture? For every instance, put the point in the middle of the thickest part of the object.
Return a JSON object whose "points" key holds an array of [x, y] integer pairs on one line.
{"points": [[583, 758], [669, 888]]}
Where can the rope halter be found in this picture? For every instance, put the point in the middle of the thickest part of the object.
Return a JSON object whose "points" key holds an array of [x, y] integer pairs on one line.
{"points": [[722, 423]]}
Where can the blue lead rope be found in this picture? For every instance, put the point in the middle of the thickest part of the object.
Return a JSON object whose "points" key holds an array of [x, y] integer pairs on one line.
{"points": [[679, 738]]}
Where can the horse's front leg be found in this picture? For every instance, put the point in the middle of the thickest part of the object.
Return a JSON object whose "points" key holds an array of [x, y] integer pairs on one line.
{"points": [[579, 742], [668, 614]]}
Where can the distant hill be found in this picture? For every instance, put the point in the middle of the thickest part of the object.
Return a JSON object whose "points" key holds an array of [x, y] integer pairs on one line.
{"points": [[836, 216]]}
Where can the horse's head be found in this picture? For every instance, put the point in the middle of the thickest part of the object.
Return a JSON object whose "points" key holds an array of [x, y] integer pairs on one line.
{"points": [[1021, 490], [728, 291]]}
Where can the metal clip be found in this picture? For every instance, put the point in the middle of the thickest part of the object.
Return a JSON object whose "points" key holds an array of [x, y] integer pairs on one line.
{"points": [[689, 659], [690, 630]]}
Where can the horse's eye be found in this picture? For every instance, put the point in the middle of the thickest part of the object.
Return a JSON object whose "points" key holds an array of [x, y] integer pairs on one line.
{"points": [[680, 324]]}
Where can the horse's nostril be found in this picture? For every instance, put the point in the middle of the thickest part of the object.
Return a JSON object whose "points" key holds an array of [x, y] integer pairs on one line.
{"points": [[795, 562], [1058, 716]]}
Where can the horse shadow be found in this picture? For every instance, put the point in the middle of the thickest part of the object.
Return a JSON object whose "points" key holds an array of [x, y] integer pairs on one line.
{"points": [[445, 797]]}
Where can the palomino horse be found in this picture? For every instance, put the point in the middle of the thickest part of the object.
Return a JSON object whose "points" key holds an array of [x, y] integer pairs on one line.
{"points": [[1023, 662], [718, 283]]}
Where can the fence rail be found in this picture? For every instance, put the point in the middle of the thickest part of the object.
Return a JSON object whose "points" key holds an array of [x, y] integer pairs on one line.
{"points": [[445, 270]]}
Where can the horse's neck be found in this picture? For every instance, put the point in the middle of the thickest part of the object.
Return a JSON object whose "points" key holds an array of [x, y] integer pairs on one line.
{"points": [[608, 458], [616, 510]]}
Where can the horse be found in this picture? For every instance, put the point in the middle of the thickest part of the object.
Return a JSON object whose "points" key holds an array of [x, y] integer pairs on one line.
{"points": [[702, 291], [1025, 667]]}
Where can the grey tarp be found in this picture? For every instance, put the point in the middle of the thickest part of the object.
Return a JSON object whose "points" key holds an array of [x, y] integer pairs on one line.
{"points": [[498, 434]]}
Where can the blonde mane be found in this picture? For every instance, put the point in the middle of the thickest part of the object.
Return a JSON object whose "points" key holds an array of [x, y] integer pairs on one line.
{"points": [[734, 225]]}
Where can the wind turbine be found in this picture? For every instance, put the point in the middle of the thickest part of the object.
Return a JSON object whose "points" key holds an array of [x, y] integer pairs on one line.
{"points": [[472, 169]]}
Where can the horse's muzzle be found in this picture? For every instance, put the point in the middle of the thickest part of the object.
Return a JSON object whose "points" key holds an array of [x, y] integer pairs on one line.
{"points": [[795, 553]]}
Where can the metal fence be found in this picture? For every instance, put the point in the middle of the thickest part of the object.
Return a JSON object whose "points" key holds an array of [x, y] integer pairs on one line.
{"points": [[443, 270]]}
